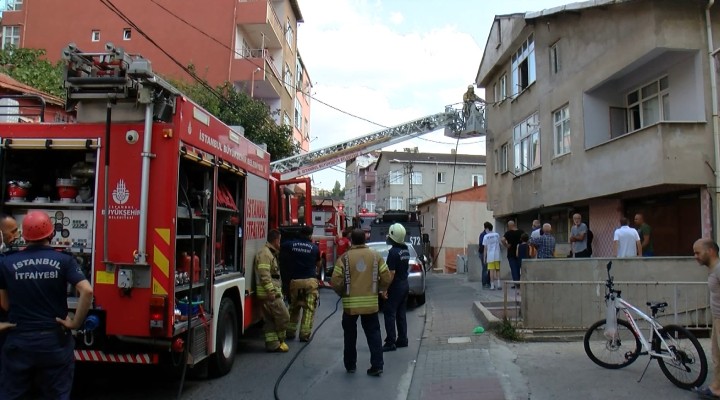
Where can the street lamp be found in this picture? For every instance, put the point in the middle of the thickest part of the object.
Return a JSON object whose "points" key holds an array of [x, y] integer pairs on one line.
{"points": [[252, 86]]}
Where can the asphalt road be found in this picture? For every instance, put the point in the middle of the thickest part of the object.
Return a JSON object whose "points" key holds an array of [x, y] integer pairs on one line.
{"points": [[317, 372]]}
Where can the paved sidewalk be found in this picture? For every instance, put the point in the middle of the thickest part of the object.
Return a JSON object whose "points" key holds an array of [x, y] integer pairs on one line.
{"points": [[453, 363]]}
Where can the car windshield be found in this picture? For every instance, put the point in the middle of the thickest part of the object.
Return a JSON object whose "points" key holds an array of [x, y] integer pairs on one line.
{"points": [[383, 248]]}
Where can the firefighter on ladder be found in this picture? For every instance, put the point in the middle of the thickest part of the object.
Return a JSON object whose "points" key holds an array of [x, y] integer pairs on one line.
{"points": [[469, 99], [269, 292], [305, 258]]}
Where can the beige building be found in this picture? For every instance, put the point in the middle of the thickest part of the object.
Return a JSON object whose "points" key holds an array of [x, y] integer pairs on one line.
{"points": [[605, 108], [405, 179], [360, 184], [452, 222]]}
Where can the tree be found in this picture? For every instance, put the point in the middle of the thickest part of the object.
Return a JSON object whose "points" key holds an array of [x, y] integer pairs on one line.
{"points": [[337, 191], [237, 108], [30, 67]]}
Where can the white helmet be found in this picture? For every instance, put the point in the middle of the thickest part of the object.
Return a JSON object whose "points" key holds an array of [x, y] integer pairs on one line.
{"points": [[396, 233]]}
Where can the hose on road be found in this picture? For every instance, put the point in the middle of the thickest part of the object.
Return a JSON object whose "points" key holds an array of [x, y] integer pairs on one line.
{"points": [[292, 360]]}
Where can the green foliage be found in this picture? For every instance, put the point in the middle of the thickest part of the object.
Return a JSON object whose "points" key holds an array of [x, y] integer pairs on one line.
{"points": [[237, 108], [30, 67], [337, 191], [507, 331]]}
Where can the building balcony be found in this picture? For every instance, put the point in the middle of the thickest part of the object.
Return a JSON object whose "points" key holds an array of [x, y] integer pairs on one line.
{"points": [[259, 20], [368, 197], [259, 82], [368, 177]]}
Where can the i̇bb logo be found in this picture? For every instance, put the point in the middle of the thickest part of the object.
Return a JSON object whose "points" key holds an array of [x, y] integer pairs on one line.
{"points": [[121, 194]]}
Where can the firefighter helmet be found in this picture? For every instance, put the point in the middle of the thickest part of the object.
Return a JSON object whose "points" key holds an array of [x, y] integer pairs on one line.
{"points": [[37, 226], [396, 233]]}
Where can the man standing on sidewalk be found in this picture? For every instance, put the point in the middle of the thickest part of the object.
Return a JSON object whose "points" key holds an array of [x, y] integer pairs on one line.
{"points": [[545, 243], [706, 253], [578, 238], [481, 252], [626, 240], [359, 275], [491, 241], [511, 240]]}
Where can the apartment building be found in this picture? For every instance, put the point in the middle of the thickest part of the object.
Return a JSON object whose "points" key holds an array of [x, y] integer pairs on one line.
{"points": [[360, 184], [251, 43], [605, 108], [405, 179]]}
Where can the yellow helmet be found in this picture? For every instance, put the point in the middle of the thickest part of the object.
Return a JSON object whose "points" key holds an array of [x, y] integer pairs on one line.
{"points": [[396, 233]]}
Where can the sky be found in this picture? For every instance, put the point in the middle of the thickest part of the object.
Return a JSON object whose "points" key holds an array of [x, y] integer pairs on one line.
{"points": [[393, 61]]}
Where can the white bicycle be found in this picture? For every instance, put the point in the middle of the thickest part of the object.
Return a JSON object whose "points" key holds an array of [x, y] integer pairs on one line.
{"points": [[677, 351]]}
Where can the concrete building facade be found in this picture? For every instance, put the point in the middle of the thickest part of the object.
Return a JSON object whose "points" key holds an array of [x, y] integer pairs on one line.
{"points": [[250, 43], [406, 179], [453, 221], [605, 108]]}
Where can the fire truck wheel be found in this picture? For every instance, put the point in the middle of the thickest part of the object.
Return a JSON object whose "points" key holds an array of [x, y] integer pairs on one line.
{"points": [[226, 341]]}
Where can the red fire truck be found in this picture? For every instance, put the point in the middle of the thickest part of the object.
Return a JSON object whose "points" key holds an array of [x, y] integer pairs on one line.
{"points": [[163, 206]]}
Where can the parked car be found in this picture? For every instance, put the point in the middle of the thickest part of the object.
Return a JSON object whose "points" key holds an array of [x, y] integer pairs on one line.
{"points": [[416, 275]]}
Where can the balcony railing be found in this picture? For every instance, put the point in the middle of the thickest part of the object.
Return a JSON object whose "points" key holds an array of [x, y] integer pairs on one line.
{"points": [[271, 17]]}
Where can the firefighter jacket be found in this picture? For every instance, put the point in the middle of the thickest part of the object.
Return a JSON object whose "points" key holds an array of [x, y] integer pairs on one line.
{"points": [[267, 272], [358, 277]]}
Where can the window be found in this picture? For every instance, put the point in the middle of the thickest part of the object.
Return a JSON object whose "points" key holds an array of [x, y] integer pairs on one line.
{"points": [[503, 87], [396, 177], [416, 178], [648, 105], [504, 158], [440, 177], [288, 78], [554, 58], [95, 36], [14, 5], [299, 73], [413, 202], [523, 66], [369, 205], [526, 140], [477, 180], [286, 119], [298, 114], [561, 128], [11, 36], [127, 33], [289, 32], [368, 189], [396, 203]]}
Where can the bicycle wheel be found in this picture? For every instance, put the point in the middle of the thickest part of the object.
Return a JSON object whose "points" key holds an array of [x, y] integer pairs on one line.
{"points": [[689, 367], [615, 353]]}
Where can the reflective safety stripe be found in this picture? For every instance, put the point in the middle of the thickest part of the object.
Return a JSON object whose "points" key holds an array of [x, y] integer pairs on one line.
{"points": [[360, 301], [264, 266], [271, 337]]}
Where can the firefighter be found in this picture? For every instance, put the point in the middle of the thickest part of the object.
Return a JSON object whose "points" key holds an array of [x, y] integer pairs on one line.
{"points": [[34, 281], [358, 277], [343, 244], [8, 236], [396, 296], [269, 292], [304, 258], [469, 99]]}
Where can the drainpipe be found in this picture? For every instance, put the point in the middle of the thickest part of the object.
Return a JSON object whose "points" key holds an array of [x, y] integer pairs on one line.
{"points": [[715, 117]]}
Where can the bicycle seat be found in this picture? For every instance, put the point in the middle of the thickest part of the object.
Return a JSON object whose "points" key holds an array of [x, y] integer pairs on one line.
{"points": [[656, 306]]}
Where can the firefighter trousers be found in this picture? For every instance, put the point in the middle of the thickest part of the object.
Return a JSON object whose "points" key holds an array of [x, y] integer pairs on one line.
{"points": [[275, 321], [44, 356], [303, 296]]}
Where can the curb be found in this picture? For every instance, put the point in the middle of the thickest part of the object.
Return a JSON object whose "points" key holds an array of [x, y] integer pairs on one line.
{"points": [[486, 318]]}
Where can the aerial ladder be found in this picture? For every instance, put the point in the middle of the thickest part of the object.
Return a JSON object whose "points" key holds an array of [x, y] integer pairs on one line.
{"points": [[457, 124]]}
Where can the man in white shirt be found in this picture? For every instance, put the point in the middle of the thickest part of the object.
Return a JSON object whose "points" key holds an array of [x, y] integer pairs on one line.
{"points": [[626, 240], [491, 241], [535, 230]]}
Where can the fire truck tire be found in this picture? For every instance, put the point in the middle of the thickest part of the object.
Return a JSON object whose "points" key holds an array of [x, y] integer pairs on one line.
{"points": [[221, 362]]}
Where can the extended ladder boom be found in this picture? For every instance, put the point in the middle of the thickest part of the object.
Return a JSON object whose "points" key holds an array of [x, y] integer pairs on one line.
{"points": [[304, 164]]}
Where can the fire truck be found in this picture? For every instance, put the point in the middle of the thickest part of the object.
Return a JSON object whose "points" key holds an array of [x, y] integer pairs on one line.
{"points": [[163, 206]]}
